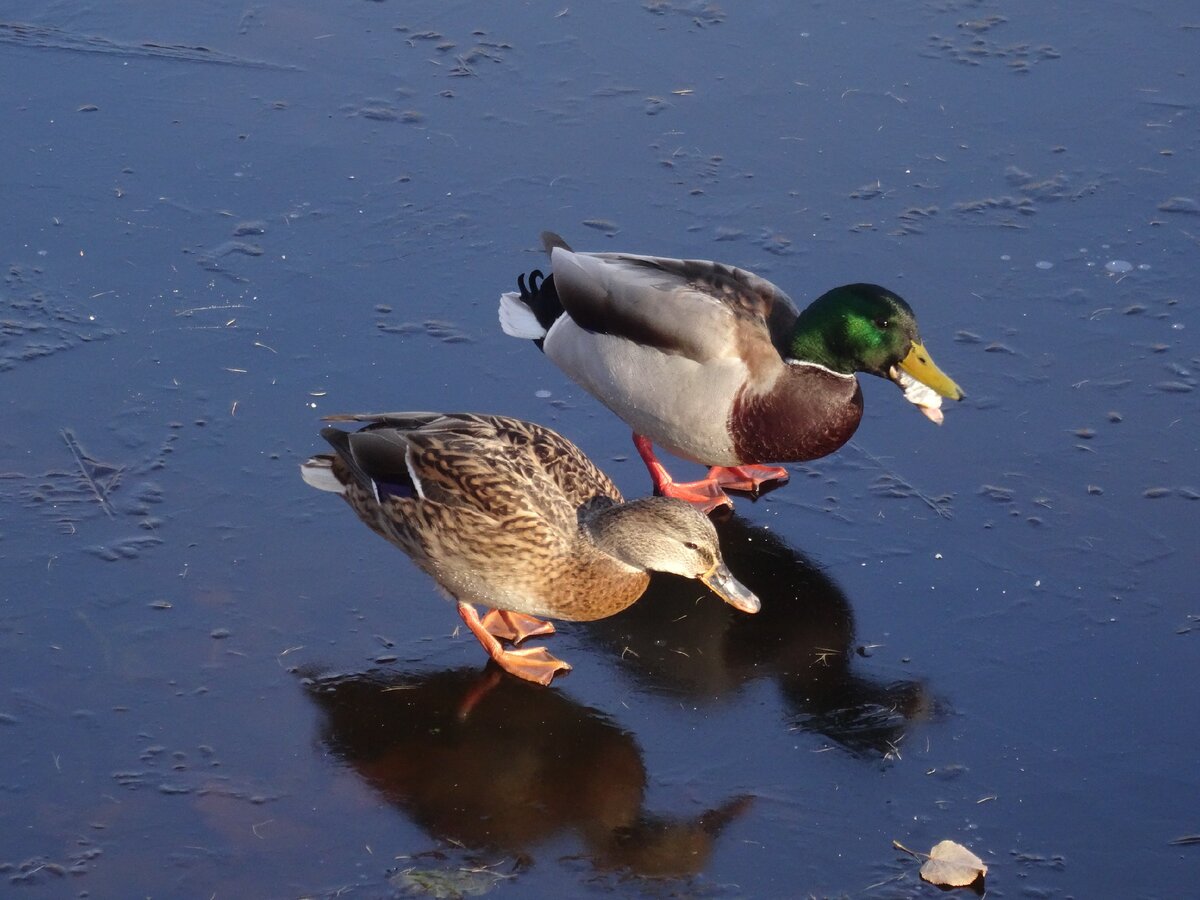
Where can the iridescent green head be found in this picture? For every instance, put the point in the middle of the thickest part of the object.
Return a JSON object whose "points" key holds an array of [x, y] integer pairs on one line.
{"points": [[867, 328]]}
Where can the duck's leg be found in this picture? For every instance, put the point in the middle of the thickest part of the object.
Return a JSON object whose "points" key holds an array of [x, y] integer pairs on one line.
{"points": [[746, 478], [488, 679], [514, 626], [532, 663], [705, 494]]}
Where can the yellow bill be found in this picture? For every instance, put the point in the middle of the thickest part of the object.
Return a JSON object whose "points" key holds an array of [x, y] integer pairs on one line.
{"points": [[923, 383]]}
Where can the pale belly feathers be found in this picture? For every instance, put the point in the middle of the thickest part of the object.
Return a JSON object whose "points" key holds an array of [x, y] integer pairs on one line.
{"points": [[679, 404]]}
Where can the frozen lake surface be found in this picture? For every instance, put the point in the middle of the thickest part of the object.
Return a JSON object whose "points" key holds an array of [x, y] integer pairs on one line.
{"points": [[224, 222]]}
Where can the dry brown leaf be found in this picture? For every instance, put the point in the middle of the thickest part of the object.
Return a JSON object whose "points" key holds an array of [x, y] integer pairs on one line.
{"points": [[952, 865]]}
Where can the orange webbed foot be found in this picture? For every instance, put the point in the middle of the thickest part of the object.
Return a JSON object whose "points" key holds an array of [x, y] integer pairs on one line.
{"points": [[514, 627], [706, 494], [747, 477], [535, 664], [531, 663]]}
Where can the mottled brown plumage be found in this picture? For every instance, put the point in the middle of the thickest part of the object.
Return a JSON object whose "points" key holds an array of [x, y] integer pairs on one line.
{"points": [[513, 516]]}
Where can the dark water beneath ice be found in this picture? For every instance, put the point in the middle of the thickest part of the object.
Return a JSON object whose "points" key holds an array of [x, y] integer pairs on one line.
{"points": [[223, 223]]}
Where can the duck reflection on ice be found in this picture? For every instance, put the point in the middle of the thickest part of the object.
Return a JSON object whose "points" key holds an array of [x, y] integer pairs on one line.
{"points": [[803, 638], [566, 768]]}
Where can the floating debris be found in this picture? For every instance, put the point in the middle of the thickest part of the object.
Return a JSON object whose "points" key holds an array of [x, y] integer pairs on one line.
{"points": [[100, 477], [610, 228], [995, 492], [968, 47], [868, 192], [446, 332], [655, 105], [129, 548], [46, 37], [701, 12], [1184, 205], [36, 325]]}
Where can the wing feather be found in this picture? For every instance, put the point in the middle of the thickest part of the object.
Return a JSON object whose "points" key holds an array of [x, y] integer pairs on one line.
{"points": [[696, 308]]}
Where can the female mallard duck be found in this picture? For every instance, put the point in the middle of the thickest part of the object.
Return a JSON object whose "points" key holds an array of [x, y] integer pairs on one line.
{"points": [[715, 364], [515, 517]]}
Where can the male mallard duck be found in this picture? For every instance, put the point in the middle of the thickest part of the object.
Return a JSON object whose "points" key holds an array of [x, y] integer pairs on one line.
{"points": [[715, 364], [515, 517]]}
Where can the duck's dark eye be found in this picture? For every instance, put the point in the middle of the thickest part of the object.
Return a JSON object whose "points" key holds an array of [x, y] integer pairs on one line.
{"points": [[882, 323], [691, 545]]}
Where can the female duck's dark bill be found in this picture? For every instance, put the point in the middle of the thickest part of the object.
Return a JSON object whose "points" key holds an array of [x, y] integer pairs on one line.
{"points": [[722, 583]]}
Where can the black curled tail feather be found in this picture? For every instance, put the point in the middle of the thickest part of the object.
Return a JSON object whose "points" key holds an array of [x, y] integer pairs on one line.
{"points": [[541, 297]]}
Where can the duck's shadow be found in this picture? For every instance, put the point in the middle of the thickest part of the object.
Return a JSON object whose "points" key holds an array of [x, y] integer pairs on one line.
{"points": [[677, 640], [485, 761]]}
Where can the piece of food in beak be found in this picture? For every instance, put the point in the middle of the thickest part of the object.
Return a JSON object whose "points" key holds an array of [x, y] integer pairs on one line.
{"points": [[922, 396], [923, 383]]}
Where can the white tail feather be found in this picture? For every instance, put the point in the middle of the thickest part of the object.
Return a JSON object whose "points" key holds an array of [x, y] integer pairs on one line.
{"points": [[517, 319], [318, 473]]}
